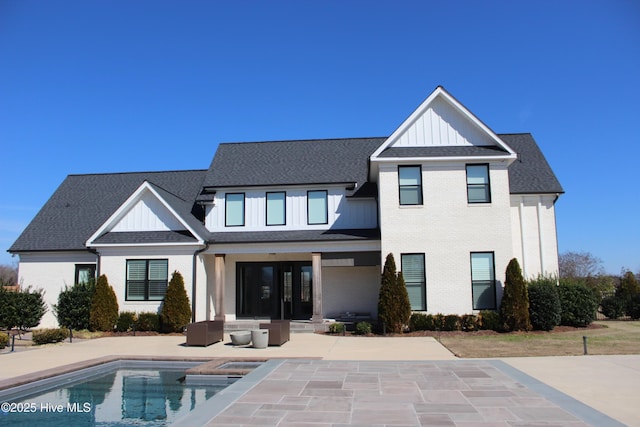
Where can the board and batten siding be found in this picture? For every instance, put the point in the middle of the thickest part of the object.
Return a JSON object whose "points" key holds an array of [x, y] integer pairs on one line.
{"points": [[442, 125], [148, 214], [343, 213]]}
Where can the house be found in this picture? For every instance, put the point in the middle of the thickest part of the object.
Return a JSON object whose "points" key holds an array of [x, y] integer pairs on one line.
{"points": [[299, 229]]}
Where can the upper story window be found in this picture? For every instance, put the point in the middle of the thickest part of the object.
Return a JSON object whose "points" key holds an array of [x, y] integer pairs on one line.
{"points": [[478, 186], [317, 207], [276, 208], [410, 183], [234, 210], [483, 281], [146, 279]]}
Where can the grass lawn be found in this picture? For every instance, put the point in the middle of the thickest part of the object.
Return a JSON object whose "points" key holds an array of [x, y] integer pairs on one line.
{"points": [[606, 337]]}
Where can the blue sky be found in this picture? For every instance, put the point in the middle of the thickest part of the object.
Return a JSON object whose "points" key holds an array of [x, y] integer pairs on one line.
{"points": [[118, 86]]}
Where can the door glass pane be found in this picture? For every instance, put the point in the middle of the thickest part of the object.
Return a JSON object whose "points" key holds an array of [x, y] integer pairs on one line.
{"points": [[287, 285], [265, 290], [306, 279]]}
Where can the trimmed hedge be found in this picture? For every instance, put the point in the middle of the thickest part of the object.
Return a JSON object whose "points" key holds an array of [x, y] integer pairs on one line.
{"points": [[544, 305], [336, 328], [148, 322], [363, 328], [126, 321], [48, 336], [489, 320], [579, 304]]}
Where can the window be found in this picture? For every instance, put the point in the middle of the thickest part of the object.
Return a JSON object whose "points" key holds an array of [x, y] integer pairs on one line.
{"points": [[414, 278], [410, 181], [483, 284], [317, 207], [146, 279], [85, 273], [234, 210], [276, 210], [478, 188]]}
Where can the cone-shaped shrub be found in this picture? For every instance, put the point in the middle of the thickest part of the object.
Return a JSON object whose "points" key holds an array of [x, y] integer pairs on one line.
{"points": [[514, 309], [176, 309], [104, 307], [394, 309]]}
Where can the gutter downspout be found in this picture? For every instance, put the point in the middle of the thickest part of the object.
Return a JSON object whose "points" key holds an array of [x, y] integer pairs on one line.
{"points": [[97, 254], [193, 281]]}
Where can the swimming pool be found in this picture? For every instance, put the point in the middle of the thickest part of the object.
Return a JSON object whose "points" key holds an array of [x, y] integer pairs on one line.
{"points": [[121, 393]]}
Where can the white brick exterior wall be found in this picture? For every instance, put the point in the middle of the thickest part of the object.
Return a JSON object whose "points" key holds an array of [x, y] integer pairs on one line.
{"points": [[446, 228]]}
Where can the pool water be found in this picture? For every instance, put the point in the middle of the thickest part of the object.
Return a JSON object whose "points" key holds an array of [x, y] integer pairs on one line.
{"points": [[139, 396]]}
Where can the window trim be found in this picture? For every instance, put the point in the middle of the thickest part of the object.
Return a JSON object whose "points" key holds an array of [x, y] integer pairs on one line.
{"points": [[487, 185], [326, 207], [146, 280], [423, 284], [226, 209], [79, 267], [493, 285], [266, 210], [400, 186]]}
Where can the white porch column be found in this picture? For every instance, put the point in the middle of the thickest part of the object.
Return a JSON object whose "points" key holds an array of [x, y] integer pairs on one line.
{"points": [[316, 265], [219, 286]]}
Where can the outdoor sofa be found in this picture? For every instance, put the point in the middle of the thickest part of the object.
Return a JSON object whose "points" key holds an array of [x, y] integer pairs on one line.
{"points": [[205, 333]]}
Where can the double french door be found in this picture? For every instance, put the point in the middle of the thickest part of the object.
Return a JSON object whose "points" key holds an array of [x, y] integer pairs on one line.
{"points": [[275, 290]]}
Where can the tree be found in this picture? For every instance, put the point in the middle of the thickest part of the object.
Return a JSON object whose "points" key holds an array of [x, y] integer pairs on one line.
{"points": [[579, 265], [627, 290], [514, 308], [74, 306], [394, 308], [8, 275], [104, 307], [176, 309]]}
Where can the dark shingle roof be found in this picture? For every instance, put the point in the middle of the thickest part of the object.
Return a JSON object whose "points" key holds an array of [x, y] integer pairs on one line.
{"points": [[323, 161], [83, 203], [295, 236], [445, 151], [530, 173], [142, 237]]}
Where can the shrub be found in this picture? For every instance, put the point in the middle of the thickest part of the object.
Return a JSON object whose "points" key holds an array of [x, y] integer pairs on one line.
{"points": [[363, 328], [74, 306], [489, 320], [4, 340], [336, 328], [47, 336], [514, 308], [579, 304], [125, 322], [21, 309], [450, 322], [468, 322], [394, 309], [148, 322], [613, 307], [421, 322], [438, 321], [104, 307], [544, 305], [176, 309]]}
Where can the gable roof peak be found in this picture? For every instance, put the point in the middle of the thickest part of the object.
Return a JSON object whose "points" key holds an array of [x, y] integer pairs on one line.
{"points": [[442, 120]]}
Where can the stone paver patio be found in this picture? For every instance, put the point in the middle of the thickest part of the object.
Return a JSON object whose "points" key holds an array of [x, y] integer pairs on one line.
{"points": [[421, 393]]}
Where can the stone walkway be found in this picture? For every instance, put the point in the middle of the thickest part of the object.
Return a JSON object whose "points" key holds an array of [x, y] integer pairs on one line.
{"points": [[317, 393]]}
